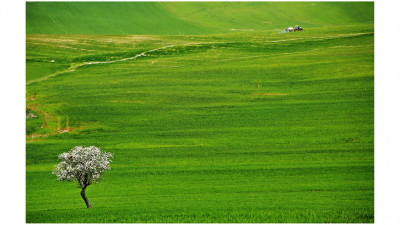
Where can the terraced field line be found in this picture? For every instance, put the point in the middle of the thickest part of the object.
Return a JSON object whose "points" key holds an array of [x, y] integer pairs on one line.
{"points": [[326, 37], [74, 67]]}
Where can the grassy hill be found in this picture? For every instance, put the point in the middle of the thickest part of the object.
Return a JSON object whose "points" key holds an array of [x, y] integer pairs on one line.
{"points": [[241, 126], [222, 17], [187, 17], [104, 18]]}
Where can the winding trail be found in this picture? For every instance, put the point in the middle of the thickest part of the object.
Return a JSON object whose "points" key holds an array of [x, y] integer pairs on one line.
{"points": [[72, 68]]}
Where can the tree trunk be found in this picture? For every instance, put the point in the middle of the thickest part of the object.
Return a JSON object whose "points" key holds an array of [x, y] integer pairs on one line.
{"points": [[85, 198]]}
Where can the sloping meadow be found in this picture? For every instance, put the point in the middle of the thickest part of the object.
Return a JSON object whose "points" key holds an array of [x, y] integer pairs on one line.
{"points": [[241, 127]]}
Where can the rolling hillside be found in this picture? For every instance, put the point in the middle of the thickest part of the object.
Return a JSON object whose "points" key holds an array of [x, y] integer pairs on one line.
{"points": [[104, 18], [187, 17]]}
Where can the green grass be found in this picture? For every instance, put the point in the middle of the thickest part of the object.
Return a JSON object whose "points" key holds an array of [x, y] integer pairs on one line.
{"points": [[236, 127], [223, 17], [188, 17], [104, 18]]}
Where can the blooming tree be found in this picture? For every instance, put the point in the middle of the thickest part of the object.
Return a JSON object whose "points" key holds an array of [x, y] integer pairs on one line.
{"points": [[83, 164]]}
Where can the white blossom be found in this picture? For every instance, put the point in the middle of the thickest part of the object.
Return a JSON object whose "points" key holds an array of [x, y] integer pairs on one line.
{"points": [[84, 164]]}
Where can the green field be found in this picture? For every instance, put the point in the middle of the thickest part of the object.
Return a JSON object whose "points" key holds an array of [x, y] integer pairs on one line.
{"points": [[214, 115]]}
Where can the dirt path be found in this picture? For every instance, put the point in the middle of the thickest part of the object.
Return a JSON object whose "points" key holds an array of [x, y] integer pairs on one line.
{"points": [[72, 68]]}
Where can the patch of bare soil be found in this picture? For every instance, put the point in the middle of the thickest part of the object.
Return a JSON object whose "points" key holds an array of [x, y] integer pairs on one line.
{"points": [[49, 121]]}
